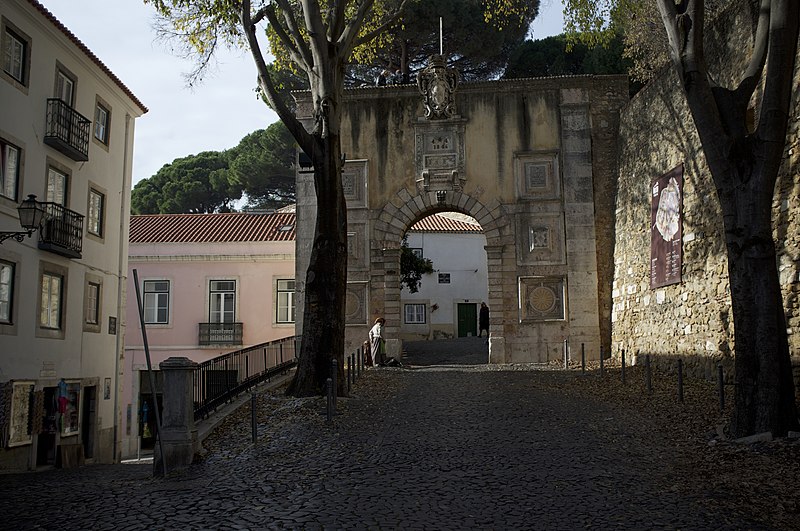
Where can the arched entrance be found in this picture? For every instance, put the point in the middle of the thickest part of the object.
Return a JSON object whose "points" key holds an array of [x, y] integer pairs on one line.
{"points": [[533, 161]]}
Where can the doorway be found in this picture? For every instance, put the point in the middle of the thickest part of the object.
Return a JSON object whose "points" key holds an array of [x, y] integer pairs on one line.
{"points": [[467, 319], [88, 421]]}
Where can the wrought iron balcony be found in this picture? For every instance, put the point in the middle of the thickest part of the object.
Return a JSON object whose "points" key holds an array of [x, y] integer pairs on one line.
{"points": [[67, 130], [220, 334], [61, 231]]}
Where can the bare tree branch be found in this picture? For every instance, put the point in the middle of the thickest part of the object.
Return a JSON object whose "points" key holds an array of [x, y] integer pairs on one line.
{"points": [[761, 44], [295, 41]]}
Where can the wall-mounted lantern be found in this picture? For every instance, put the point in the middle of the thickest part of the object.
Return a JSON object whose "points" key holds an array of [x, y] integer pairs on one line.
{"points": [[31, 215]]}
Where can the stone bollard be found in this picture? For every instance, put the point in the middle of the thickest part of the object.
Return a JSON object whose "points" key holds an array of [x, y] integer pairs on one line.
{"points": [[178, 433], [497, 350]]}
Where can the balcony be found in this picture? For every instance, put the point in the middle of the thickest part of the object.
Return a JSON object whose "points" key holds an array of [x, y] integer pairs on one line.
{"points": [[67, 130], [61, 231], [220, 334]]}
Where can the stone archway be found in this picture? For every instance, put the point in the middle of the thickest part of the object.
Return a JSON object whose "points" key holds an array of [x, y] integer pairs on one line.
{"points": [[386, 249], [532, 160]]}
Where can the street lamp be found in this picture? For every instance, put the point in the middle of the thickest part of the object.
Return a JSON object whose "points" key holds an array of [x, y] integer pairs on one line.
{"points": [[31, 214]]}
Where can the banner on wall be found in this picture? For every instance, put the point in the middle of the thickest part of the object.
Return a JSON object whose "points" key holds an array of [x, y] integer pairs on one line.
{"points": [[666, 228]]}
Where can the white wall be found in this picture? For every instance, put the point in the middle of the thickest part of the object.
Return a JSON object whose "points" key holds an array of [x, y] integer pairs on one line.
{"points": [[463, 256]]}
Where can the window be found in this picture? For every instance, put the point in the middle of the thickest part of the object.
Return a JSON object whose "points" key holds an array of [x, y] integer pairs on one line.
{"points": [[15, 55], [9, 169], [415, 313], [285, 301], [444, 278], [416, 251], [222, 301], [92, 313], [101, 121], [56, 187], [156, 301], [94, 220], [50, 310], [6, 291], [65, 87]]}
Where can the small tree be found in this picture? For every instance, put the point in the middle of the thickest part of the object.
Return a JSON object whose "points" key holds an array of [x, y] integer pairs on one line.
{"points": [[412, 267]]}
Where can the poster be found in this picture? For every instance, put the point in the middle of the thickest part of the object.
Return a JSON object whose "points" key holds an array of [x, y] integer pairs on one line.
{"points": [[21, 414], [666, 229]]}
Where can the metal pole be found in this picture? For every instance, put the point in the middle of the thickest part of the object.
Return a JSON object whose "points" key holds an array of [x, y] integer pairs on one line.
{"points": [[253, 423], [566, 358], [601, 361], [359, 360], [329, 394], [648, 375], [680, 380], [583, 358], [150, 370], [349, 372], [721, 383], [334, 379], [623, 366]]}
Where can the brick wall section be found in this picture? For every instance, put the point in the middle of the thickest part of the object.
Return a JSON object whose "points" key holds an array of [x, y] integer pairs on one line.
{"points": [[692, 320]]}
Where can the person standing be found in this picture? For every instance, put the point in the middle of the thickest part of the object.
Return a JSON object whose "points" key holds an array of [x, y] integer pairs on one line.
{"points": [[376, 344], [483, 320]]}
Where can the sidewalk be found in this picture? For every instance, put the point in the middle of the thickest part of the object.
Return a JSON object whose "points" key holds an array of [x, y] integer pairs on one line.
{"points": [[429, 448]]}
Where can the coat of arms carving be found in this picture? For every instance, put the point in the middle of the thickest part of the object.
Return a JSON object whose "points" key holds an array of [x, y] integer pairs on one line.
{"points": [[437, 83]]}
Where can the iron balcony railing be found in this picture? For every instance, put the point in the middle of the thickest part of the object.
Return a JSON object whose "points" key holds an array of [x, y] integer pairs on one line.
{"points": [[223, 378], [67, 130], [61, 231], [220, 334]]}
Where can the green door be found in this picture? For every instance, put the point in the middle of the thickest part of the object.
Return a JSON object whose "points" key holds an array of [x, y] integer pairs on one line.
{"points": [[467, 320]]}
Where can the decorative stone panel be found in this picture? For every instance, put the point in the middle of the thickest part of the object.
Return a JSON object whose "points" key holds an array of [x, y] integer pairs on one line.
{"points": [[357, 250], [356, 311], [540, 238], [439, 156], [537, 175], [354, 182], [542, 299]]}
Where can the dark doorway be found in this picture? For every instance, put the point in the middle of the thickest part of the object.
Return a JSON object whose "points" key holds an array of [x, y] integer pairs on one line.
{"points": [[467, 320], [88, 423], [46, 440]]}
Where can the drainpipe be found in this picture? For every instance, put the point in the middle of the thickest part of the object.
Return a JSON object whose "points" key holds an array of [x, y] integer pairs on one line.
{"points": [[122, 279]]}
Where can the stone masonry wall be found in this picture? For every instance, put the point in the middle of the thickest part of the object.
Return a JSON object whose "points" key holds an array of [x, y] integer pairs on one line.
{"points": [[692, 320]]}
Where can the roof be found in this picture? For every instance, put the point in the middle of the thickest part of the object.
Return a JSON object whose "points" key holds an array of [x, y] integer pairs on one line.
{"points": [[212, 228], [71, 36], [447, 223]]}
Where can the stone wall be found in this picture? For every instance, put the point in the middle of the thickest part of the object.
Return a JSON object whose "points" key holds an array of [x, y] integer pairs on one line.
{"points": [[692, 319]]}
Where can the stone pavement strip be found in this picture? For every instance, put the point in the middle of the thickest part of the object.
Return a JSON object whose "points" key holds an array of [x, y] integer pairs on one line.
{"points": [[425, 448]]}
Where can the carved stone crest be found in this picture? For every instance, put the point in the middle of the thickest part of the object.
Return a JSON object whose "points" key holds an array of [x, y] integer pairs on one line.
{"points": [[437, 83]]}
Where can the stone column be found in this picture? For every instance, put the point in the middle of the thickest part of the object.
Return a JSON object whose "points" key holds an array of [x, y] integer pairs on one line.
{"points": [[178, 433]]}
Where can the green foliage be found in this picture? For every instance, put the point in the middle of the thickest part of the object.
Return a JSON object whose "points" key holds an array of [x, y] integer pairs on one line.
{"points": [[263, 164], [477, 48], [412, 267], [260, 166], [195, 184]]}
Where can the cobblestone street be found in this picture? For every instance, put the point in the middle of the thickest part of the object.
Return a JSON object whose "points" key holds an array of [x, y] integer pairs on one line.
{"points": [[470, 447]]}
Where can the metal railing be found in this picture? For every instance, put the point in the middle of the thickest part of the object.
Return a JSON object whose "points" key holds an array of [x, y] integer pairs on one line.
{"points": [[220, 334], [221, 379], [67, 130], [61, 231]]}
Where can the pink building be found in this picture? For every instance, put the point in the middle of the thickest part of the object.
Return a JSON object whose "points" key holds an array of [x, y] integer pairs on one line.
{"points": [[210, 284]]}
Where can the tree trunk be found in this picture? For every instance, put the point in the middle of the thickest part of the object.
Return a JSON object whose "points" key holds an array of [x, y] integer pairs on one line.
{"points": [[326, 280]]}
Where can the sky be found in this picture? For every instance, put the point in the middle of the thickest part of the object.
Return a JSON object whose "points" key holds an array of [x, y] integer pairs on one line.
{"points": [[182, 121]]}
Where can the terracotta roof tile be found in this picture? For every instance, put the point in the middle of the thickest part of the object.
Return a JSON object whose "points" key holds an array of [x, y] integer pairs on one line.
{"points": [[439, 223], [211, 228]]}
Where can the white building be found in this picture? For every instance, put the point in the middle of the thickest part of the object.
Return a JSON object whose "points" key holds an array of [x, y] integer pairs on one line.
{"points": [[449, 299], [66, 136]]}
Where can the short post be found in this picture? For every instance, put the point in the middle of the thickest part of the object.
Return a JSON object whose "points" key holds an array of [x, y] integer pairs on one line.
{"points": [[583, 358], [648, 375], [680, 380], [253, 423], [280, 348], [601, 361], [334, 380], [623, 366], [349, 372], [721, 384], [566, 354], [329, 401]]}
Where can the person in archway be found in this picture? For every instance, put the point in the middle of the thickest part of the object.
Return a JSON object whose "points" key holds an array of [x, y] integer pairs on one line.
{"points": [[376, 344], [483, 320]]}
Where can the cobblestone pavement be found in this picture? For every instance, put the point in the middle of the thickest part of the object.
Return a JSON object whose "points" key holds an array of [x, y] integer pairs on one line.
{"points": [[423, 448], [460, 351]]}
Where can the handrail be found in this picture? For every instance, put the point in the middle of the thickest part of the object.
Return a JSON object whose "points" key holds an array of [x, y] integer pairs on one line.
{"points": [[223, 378]]}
